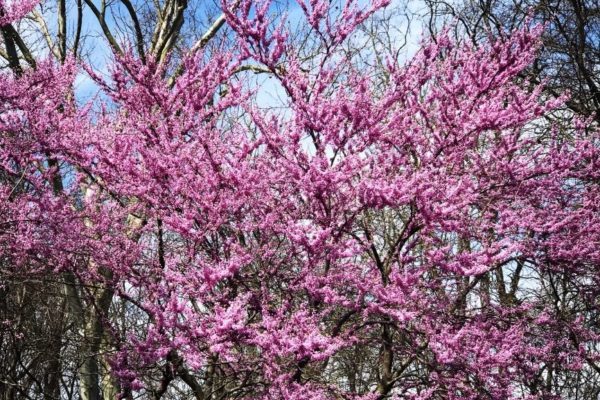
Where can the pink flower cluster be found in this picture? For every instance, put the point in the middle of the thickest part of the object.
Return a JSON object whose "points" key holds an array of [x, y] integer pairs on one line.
{"points": [[14, 10], [381, 219]]}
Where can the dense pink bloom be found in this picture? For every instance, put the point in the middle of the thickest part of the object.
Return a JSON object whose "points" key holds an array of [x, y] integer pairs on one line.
{"points": [[276, 242]]}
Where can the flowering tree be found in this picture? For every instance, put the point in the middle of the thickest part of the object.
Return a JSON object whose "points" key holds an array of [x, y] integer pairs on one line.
{"points": [[384, 235]]}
